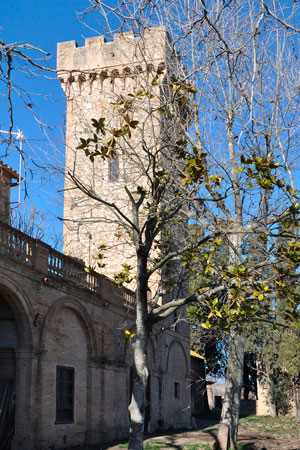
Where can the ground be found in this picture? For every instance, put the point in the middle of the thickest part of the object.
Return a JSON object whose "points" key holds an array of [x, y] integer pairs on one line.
{"points": [[259, 433], [255, 433]]}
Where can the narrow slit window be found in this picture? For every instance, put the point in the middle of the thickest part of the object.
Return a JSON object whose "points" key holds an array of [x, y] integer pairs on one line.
{"points": [[113, 169], [64, 394]]}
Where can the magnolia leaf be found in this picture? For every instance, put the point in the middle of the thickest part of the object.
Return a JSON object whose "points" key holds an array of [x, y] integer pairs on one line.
{"points": [[129, 334]]}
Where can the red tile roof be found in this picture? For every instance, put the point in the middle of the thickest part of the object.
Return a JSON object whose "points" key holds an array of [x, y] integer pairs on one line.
{"points": [[9, 170]]}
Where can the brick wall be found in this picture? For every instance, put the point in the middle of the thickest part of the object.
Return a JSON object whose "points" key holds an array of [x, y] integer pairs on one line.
{"points": [[59, 322]]}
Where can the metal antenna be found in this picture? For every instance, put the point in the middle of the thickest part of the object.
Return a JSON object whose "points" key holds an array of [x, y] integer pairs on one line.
{"points": [[20, 137]]}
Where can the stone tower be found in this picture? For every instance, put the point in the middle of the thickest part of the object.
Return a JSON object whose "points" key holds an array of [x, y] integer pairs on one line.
{"points": [[92, 78]]}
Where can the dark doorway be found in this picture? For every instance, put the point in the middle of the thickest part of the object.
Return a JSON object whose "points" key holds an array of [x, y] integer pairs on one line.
{"points": [[8, 343]]}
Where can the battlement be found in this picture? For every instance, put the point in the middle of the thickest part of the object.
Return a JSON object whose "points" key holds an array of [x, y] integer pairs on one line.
{"points": [[125, 50]]}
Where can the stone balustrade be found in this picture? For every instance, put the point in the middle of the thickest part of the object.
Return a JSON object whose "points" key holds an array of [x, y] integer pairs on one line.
{"points": [[16, 244], [42, 257]]}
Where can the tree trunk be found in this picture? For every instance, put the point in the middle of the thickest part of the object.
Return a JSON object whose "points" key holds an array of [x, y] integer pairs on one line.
{"points": [[227, 436], [271, 402], [140, 370], [137, 404], [272, 408], [297, 403]]}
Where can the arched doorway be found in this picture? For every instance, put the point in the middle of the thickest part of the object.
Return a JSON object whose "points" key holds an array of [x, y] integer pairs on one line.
{"points": [[15, 368], [8, 344]]}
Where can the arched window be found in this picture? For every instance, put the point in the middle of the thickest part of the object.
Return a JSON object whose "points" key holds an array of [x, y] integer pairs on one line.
{"points": [[113, 169]]}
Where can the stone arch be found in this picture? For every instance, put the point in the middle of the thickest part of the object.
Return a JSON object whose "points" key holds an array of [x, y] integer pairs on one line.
{"points": [[138, 69], [20, 306], [177, 343], [114, 73], [16, 358], [150, 68], [126, 71], [103, 74], [82, 314], [68, 345], [161, 67], [177, 386], [92, 76]]}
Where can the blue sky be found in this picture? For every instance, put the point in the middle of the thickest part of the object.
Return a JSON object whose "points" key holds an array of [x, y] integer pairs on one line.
{"points": [[42, 24]]}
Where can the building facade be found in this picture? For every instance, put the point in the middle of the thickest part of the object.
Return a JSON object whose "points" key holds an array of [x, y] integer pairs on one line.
{"points": [[65, 364], [65, 368]]}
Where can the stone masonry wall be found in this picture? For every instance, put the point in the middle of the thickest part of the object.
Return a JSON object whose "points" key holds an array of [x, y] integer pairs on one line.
{"points": [[93, 77]]}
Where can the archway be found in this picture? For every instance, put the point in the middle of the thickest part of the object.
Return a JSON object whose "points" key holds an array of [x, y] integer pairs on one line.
{"points": [[177, 386], [8, 344], [67, 339], [15, 342]]}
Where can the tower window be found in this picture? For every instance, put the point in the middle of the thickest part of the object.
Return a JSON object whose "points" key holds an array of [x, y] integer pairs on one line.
{"points": [[64, 394], [113, 169]]}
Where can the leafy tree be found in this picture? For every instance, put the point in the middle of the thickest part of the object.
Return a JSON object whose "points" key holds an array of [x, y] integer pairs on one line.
{"points": [[232, 171], [288, 363], [277, 351]]}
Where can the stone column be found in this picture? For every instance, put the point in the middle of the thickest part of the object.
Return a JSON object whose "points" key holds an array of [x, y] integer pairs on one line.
{"points": [[24, 435], [40, 256]]}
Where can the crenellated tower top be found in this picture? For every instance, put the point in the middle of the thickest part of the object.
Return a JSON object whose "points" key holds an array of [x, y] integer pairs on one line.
{"points": [[126, 56]]}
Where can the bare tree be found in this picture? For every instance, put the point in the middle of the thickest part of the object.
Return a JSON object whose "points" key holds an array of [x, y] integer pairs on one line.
{"points": [[20, 62], [227, 159], [34, 223], [19, 58]]}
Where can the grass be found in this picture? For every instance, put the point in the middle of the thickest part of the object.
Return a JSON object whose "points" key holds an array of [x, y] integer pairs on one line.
{"points": [[275, 426], [148, 446], [245, 446]]}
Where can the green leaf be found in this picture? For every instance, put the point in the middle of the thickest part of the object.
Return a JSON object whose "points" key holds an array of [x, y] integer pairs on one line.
{"points": [[134, 123]]}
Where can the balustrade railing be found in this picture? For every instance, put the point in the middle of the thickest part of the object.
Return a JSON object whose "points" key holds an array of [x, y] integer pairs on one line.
{"points": [[65, 267], [128, 298], [37, 254], [17, 244]]}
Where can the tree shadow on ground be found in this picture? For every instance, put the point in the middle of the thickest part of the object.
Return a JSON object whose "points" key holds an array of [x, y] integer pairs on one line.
{"points": [[170, 443]]}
